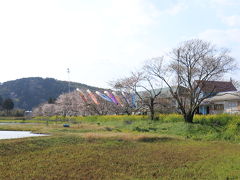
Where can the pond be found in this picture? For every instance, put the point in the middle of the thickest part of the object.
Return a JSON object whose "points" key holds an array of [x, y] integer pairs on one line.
{"points": [[18, 134], [18, 123]]}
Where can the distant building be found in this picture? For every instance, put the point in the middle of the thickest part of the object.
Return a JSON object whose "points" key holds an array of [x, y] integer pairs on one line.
{"points": [[222, 97], [223, 102]]}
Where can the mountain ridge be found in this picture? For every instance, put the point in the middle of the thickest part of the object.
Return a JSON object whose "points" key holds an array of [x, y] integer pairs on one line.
{"points": [[28, 93]]}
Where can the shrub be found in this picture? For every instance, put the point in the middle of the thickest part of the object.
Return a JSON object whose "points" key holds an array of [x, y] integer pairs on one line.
{"points": [[232, 131], [214, 119]]}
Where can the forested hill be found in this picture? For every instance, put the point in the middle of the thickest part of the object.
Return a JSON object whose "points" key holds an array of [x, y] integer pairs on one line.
{"points": [[30, 92]]}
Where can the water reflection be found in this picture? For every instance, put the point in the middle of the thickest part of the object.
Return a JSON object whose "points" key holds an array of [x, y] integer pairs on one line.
{"points": [[16, 123], [18, 134]]}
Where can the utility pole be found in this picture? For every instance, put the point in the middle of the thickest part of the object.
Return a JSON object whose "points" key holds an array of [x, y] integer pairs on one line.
{"points": [[68, 104], [68, 71]]}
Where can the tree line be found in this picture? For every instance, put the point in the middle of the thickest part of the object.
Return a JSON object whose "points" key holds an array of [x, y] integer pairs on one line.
{"points": [[71, 104], [183, 71]]}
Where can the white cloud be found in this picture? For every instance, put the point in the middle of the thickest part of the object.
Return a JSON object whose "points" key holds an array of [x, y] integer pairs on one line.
{"points": [[232, 20], [176, 8], [225, 2], [221, 37], [226, 10]]}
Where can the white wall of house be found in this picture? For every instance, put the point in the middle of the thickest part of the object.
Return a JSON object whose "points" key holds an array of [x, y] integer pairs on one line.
{"points": [[230, 107], [224, 102]]}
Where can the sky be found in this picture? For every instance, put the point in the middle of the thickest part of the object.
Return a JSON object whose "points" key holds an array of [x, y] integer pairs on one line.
{"points": [[103, 40]]}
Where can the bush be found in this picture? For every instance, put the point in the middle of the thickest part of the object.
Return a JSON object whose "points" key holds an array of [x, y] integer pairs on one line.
{"points": [[214, 119], [232, 131]]}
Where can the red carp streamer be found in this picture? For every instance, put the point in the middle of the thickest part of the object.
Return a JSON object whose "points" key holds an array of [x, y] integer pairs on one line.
{"points": [[82, 95], [93, 97]]}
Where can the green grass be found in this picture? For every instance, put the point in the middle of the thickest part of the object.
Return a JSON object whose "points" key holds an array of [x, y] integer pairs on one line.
{"points": [[208, 127], [72, 157], [125, 147]]}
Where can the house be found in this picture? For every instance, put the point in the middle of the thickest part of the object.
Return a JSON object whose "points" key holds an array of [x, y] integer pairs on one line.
{"points": [[223, 97], [223, 102]]}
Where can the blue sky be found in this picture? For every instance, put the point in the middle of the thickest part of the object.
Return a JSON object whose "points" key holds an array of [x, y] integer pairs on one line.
{"points": [[101, 40]]}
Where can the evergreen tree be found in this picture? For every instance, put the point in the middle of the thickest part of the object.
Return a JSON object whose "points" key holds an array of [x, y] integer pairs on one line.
{"points": [[8, 104], [1, 102], [51, 100]]}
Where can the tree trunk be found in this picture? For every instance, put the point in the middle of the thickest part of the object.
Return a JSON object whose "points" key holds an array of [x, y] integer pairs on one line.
{"points": [[188, 117], [128, 113], [152, 111]]}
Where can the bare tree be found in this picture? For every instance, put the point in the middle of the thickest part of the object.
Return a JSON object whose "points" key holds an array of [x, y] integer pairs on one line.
{"points": [[144, 86], [191, 64], [236, 83]]}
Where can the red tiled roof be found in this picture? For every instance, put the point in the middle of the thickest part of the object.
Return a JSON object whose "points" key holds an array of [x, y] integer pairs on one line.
{"points": [[216, 86]]}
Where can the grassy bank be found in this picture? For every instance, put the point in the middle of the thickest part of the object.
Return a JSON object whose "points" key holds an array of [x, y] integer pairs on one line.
{"points": [[205, 127], [124, 147], [73, 157]]}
